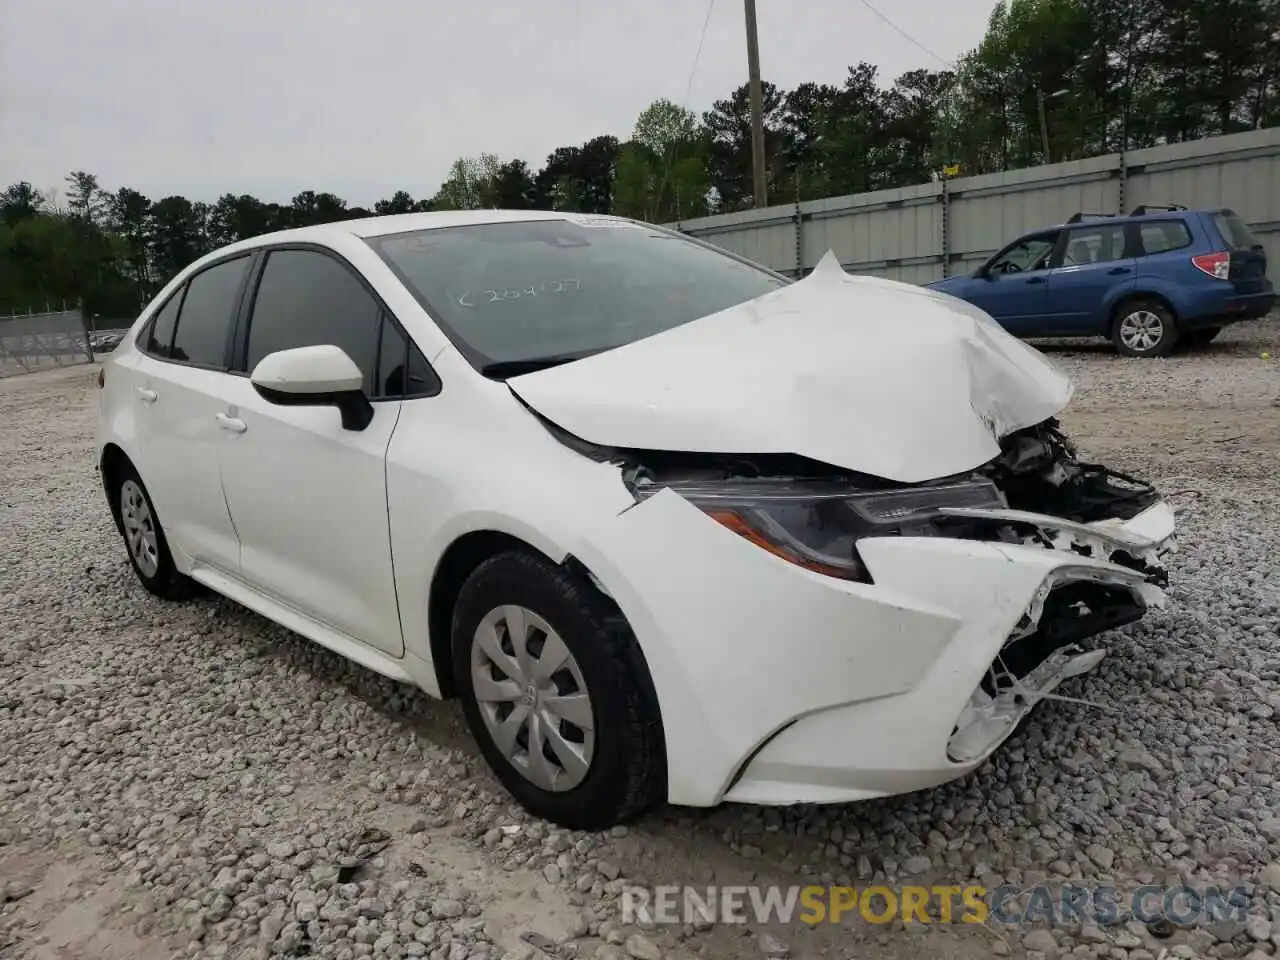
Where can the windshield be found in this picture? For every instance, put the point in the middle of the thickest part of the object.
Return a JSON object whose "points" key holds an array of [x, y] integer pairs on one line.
{"points": [[511, 292]]}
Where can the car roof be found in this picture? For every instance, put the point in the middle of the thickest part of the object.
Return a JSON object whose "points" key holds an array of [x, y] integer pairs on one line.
{"points": [[365, 227], [1156, 212]]}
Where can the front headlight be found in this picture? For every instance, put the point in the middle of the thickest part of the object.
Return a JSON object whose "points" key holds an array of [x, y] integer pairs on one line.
{"points": [[817, 525]]}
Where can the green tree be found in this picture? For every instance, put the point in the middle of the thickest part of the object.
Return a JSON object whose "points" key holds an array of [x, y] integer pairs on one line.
{"points": [[129, 216], [309, 208], [728, 125], [177, 236], [579, 178], [84, 198], [661, 173], [400, 202], [20, 201]]}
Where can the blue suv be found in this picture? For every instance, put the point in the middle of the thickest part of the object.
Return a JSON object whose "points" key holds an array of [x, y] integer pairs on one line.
{"points": [[1159, 277]]}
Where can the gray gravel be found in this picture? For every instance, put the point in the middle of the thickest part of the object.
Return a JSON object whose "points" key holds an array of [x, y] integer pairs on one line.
{"points": [[194, 781]]}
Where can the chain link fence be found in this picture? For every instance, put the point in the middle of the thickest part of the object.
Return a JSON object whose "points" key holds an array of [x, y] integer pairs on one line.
{"points": [[41, 341]]}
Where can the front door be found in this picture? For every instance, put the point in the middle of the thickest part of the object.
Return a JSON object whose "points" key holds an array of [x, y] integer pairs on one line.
{"points": [[308, 497], [1013, 287]]}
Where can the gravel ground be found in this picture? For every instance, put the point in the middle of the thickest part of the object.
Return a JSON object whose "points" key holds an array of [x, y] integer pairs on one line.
{"points": [[194, 781]]}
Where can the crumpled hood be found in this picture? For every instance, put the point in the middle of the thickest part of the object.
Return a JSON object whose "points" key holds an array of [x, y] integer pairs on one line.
{"points": [[870, 375]]}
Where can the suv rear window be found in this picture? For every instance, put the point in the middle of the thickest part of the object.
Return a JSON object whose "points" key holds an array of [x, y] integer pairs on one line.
{"points": [[1235, 233], [1164, 235]]}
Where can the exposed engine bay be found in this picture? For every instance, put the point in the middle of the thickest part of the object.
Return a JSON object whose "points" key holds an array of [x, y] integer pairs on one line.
{"points": [[1038, 471], [1036, 491]]}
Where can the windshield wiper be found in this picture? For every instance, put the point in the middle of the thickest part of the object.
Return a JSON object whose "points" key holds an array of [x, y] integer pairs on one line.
{"points": [[501, 369]]}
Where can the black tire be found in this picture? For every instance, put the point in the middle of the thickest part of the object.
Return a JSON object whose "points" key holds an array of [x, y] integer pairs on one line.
{"points": [[1144, 312], [1201, 337], [164, 581], [626, 774]]}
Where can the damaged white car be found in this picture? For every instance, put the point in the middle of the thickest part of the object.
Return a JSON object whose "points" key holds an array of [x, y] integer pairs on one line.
{"points": [[670, 526]]}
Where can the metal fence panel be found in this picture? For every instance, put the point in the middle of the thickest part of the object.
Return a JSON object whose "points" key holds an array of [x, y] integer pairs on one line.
{"points": [[925, 232], [41, 341]]}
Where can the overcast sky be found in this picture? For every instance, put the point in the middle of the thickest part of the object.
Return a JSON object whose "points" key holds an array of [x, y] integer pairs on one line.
{"points": [[363, 97]]}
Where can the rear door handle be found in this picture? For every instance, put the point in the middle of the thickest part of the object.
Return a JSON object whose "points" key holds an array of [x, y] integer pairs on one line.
{"points": [[147, 396], [1116, 271], [234, 424]]}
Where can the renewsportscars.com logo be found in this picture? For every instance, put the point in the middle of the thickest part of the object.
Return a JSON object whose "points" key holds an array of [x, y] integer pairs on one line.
{"points": [[880, 904]]}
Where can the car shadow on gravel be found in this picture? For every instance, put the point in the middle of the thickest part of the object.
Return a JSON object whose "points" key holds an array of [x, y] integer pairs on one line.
{"points": [[439, 722], [1237, 340]]}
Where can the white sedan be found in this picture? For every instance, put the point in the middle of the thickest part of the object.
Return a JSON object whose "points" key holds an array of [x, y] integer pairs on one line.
{"points": [[669, 525]]}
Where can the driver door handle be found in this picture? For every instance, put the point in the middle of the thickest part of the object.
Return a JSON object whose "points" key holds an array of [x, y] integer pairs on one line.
{"points": [[234, 424], [146, 395], [1036, 280], [1116, 271]]}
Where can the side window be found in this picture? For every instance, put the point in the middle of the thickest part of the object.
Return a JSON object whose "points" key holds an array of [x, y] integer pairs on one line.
{"points": [[1029, 254], [207, 312], [158, 339], [402, 369], [1098, 244], [1164, 235], [306, 298]]}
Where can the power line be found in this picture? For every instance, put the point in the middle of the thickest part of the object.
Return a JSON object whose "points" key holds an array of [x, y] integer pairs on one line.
{"points": [[669, 162], [688, 90], [947, 131], [906, 36]]}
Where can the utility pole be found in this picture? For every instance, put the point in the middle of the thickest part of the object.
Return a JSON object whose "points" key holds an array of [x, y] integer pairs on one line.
{"points": [[757, 108], [1044, 125]]}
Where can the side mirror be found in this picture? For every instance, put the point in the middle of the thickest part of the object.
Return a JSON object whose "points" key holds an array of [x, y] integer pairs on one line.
{"points": [[320, 376]]}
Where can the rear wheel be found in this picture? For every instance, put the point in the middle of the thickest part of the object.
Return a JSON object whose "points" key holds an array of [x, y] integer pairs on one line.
{"points": [[556, 693], [145, 541], [1144, 328]]}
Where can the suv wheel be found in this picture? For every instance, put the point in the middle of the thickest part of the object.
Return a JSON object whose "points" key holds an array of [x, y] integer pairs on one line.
{"points": [[145, 541], [556, 693], [1144, 328]]}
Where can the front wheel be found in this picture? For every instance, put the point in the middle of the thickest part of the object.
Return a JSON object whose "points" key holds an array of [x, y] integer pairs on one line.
{"points": [[1144, 328], [556, 693]]}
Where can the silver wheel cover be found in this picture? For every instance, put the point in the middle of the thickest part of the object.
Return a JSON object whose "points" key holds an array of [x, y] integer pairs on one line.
{"points": [[533, 698], [139, 528]]}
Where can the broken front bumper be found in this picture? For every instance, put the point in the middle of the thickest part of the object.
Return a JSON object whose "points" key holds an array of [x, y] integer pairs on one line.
{"points": [[780, 685], [1023, 606]]}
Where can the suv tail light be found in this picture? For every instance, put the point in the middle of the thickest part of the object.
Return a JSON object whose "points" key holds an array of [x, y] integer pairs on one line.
{"points": [[1216, 265]]}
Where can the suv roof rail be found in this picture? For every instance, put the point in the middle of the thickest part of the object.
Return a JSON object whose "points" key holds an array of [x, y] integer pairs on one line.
{"points": [[1081, 216], [1144, 208]]}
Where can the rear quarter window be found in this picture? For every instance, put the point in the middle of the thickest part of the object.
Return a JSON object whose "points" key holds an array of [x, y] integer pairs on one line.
{"points": [[1234, 231], [1163, 236], [157, 336]]}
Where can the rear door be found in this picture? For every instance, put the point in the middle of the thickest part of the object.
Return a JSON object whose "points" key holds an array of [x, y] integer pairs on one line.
{"points": [[1092, 266], [178, 379]]}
